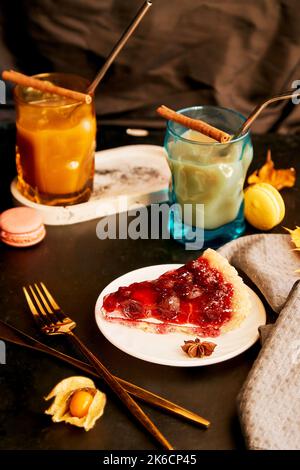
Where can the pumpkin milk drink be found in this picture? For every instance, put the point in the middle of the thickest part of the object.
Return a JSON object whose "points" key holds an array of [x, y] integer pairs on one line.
{"points": [[55, 144]]}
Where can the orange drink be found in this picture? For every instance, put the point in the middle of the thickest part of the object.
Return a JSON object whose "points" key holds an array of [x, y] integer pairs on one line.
{"points": [[55, 143]]}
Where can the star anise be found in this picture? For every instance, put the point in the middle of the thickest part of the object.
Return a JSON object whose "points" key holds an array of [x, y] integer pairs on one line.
{"points": [[196, 348]]}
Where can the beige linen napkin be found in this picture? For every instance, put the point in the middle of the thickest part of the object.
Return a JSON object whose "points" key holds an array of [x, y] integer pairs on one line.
{"points": [[269, 402]]}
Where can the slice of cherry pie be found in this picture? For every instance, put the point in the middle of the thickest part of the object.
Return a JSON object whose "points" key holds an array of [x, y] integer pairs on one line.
{"points": [[204, 297]]}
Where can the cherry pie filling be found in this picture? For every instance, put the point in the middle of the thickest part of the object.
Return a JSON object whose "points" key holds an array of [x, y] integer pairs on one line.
{"points": [[195, 294]]}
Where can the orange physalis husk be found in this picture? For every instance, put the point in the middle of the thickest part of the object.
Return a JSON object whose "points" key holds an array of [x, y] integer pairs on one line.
{"points": [[295, 236], [268, 174]]}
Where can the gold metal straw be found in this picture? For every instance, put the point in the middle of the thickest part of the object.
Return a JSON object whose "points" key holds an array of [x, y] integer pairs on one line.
{"points": [[119, 46], [258, 109]]}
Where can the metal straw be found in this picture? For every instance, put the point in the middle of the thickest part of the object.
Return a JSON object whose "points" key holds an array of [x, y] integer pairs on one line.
{"points": [[119, 46], [258, 109]]}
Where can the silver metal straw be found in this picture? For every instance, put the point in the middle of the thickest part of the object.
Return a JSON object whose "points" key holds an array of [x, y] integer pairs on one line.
{"points": [[258, 109], [119, 46]]}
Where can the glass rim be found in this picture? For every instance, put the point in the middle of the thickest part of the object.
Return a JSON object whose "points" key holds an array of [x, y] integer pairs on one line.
{"points": [[170, 123], [20, 100]]}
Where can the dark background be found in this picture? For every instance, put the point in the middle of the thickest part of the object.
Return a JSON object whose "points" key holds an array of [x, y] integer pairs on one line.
{"points": [[228, 52], [232, 53]]}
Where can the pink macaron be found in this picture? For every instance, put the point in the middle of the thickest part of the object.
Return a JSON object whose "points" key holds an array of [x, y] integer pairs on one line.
{"points": [[21, 227]]}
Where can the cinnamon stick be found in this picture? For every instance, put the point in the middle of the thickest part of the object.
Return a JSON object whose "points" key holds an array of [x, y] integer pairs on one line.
{"points": [[44, 86], [195, 124]]}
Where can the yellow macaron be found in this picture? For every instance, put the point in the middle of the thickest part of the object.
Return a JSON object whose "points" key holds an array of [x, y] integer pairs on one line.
{"points": [[264, 206]]}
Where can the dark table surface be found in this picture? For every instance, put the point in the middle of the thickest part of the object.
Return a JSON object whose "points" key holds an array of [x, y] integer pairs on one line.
{"points": [[76, 265]]}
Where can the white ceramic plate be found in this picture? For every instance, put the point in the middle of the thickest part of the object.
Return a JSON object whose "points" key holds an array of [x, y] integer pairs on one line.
{"points": [[165, 348]]}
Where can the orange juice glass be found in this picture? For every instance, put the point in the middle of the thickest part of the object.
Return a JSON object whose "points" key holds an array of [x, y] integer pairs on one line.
{"points": [[55, 143]]}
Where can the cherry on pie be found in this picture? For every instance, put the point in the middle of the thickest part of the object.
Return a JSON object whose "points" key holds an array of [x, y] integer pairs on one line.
{"points": [[204, 297]]}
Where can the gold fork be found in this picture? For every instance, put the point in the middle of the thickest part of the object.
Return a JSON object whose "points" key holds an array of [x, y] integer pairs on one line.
{"points": [[53, 321]]}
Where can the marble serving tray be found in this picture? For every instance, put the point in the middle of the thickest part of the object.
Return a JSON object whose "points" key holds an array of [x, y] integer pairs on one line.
{"points": [[125, 178]]}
